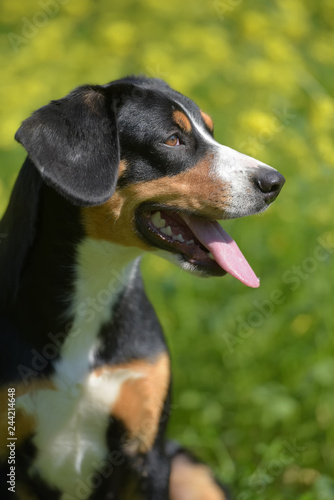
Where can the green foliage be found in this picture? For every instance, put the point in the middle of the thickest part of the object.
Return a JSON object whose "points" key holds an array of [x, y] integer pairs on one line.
{"points": [[253, 369]]}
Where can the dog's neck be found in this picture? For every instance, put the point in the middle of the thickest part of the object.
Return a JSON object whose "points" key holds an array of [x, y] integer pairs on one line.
{"points": [[103, 271], [89, 273]]}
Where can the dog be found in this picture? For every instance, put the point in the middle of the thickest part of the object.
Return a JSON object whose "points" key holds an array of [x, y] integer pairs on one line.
{"points": [[113, 171]]}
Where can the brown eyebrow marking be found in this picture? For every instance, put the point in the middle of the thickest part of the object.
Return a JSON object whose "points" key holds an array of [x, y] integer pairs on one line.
{"points": [[121, 168], [182, 121], [207, 120]]}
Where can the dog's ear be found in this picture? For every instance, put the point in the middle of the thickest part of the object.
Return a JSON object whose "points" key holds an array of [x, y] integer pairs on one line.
{"points": [[74, 144]]}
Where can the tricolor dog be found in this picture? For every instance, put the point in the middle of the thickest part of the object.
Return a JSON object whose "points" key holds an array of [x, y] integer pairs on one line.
{"points": [[113, 171]]}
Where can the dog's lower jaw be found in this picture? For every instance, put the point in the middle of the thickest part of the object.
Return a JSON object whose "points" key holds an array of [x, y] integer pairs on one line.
{"points": [[179, 261]]}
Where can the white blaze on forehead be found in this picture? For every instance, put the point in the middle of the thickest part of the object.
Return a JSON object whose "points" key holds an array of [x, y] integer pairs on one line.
{"points": [[227, 159]]}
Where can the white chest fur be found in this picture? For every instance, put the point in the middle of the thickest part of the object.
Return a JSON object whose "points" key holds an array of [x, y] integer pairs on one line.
{"points": [[72, 418]]}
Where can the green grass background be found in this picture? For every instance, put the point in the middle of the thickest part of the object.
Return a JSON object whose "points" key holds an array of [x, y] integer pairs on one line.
{"points": [[253, 369]]}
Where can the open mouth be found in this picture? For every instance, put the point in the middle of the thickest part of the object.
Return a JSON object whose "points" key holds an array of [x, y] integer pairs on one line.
{"points": [[201, 242]]}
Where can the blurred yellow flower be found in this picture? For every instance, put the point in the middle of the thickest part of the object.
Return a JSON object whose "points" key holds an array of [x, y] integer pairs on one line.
{"points": [[323, 110], [78, 7], [258, 122], [255, 25], [325, 148], [279, 50], [322, 48], [120, 34], [327, 8], [260, 71], [301, 324], [8, 127], [294, 18], [322, 215]]}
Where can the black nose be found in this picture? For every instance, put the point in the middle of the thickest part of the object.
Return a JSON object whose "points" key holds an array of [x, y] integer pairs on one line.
{"points": [[269, 182]]}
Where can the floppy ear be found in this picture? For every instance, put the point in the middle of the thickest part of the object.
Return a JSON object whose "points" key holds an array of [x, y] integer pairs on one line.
{"points": [[74, 144]]}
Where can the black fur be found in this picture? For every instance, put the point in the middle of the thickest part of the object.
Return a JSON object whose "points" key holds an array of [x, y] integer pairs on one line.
{"points": [[121, 339], [74, 148], [43, 232], [19, 226]]}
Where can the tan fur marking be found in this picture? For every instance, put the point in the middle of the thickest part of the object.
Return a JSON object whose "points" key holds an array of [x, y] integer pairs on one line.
{"points": [[140, 400], [192, 481], [24, 424], [121, 168], [182, 121], [207, 120], [195, 189]]}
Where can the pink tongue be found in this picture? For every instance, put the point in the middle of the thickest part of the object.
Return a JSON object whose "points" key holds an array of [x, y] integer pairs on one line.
{"points": [[224, 249]]}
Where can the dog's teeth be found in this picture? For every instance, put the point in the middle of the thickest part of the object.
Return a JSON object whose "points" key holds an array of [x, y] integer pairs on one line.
{"points": [[211, 256], [158, 222], [179, 237], [167, 230], [190, 242]]}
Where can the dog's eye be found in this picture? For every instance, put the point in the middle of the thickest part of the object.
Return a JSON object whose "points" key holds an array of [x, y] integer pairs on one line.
{"points": [[173, 140]]}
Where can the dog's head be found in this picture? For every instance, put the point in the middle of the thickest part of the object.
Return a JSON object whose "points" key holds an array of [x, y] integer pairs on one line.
{"points": [[141, 161]]}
